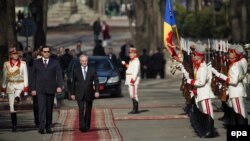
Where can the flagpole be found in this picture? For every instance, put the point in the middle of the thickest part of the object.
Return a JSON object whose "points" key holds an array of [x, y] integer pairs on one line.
{"points": [[178, 40]]}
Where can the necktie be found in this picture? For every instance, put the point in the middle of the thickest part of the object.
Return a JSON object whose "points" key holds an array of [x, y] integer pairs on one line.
{"points": [[45, 63], [85, 72]]}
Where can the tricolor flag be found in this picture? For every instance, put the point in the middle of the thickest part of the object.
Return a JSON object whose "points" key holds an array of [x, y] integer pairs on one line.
{"points": [[169, 22]]}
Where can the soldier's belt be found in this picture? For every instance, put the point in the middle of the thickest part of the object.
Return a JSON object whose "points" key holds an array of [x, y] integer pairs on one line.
{"points": [[128, 73], [15, 81]]}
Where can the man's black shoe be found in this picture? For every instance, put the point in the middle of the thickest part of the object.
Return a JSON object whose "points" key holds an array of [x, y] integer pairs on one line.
{"points": [[41, 132], [83, 129], [87, 128], [134, 112], [48, 131]]}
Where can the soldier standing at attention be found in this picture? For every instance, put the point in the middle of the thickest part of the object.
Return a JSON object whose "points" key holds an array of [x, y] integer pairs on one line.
{"points": [[15, 81], [203, 92], [133, 78], [236, 89]]}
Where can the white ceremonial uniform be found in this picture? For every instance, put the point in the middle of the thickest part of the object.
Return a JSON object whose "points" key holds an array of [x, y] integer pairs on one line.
{"points": [[202, 82], [133, 73], [15, 80], [237, 92], [244, 65]]}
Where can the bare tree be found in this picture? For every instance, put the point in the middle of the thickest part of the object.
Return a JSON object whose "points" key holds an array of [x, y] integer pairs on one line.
{"points": [[239, 20], [7, 24], [39, 10], [148, 31], [99, 6]]}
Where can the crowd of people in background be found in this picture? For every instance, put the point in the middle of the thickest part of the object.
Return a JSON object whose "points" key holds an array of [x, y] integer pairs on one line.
{"points": [[101, 27], [152, 62]]}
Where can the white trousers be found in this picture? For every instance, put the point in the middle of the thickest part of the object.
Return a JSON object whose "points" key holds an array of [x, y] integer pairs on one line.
{"points": [[239, 105], [12, 97], [133, 92], [205, 106]]}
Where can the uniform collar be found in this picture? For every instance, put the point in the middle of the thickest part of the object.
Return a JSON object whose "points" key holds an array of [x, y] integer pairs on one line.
{"points": [[17, 63], [133, 58], [197, 65], [234, 61]]}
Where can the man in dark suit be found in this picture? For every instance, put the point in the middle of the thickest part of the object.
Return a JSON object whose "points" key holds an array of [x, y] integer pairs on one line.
{"points": [[158, 63], [98, 49], [84, 92], [112, 56], [46, 81], [145, 63]]}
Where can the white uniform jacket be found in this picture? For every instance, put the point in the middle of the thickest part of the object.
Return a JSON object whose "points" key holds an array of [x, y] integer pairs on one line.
{"points": [[202, 82], [244, 65], [235, 75], [15, 77], [133, 71]]}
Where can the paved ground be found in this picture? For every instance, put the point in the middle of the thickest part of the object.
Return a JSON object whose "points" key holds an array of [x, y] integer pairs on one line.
{"points": [[162, 116]]}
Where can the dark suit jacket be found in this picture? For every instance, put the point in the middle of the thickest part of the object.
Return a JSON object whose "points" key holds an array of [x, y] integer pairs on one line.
{"points": [[113, 59], [84, 89], [46, 80], [158, 61]]}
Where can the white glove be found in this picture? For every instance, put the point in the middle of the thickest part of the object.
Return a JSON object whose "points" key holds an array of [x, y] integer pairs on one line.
{"points": [[215, 72], [209, 65], [180, 65], [123, 62], [183, 70], [223, 77], [186, 75], [189, 81], [191, 94], [25, 94]]}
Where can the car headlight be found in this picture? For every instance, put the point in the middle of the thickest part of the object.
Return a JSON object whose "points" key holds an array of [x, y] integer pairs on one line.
{"points": [[113, 79]]}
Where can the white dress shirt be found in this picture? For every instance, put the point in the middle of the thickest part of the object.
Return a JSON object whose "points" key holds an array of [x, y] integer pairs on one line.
{"points": [[47, 60]]}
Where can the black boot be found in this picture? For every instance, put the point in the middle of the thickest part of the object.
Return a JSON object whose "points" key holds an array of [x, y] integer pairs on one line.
{"points": [[14, 121], [224, 108], [17, 100], [230, 117], [136, 107], [196, 120], [209, 128], [187, 108], [246, 121], [133, 109], [240, 120]]}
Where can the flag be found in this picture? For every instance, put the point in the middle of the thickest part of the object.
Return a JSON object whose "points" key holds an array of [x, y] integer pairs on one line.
{"points": [[169, 22]]}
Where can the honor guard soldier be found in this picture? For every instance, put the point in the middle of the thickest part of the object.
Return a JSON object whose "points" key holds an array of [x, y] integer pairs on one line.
{"points": [[236, 89], [244, 64], [202, 92], [15, 81], [133, 78]]}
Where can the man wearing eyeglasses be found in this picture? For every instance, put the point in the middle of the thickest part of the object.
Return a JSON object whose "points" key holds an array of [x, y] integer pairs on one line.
{"points": [[45, 82]]}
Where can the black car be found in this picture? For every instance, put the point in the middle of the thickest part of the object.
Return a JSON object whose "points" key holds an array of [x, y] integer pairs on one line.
{"points": [[107, 72]]}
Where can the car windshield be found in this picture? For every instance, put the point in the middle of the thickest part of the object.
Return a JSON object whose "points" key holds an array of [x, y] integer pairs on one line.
{"points": [[100, 64]]}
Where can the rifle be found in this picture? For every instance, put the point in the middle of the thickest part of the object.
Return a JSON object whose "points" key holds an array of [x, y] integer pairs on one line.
{"points": [[187, 63], [216, 64], [225, 67]]}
